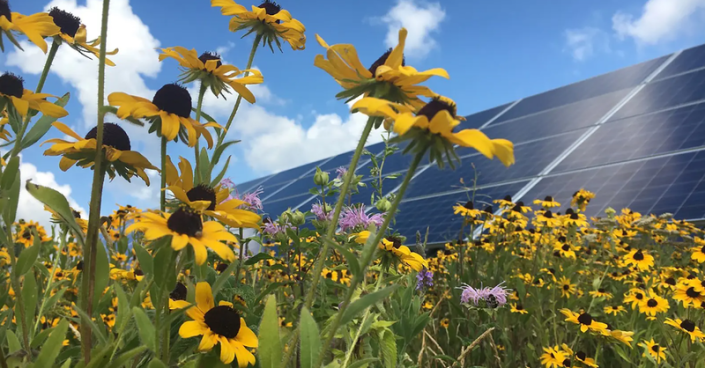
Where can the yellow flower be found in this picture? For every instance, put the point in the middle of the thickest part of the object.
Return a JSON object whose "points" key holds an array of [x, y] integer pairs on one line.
{"points": [[219, 325], [614, 309], [639, 258], [688, 327], [467, 210], [445, 322], [209, 69], [518, 308], [116, 144], [268, 21], [634, 296], [13, 94], [621, 336], [388, 77], [653, 349], [698, 253], [552, 357], [583, 358], [547, 202], [177, 297], [689, 294], [187, 191], [169, 113], [74, 34], [186, 227], [567, 288], [653, 304], [35, 26], [585, 321], [434, 124], [601, 293]]}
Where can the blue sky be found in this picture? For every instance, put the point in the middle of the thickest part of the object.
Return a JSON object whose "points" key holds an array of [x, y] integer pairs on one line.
{"points": [[495, 52]]}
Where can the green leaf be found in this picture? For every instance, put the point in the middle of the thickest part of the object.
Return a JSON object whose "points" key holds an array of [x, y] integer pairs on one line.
{"points": [[58, 203], [67, 363], [219, 152], [41, 127], [124, 312], [11, 171], [363, 362], [224, 276], [102, 357], [51, 348], [358, 306], [39, 338], [145, 327], [389, 349], [13, 342], [102, 272], [100, 332], [137, 298], [220, 176], [257, 257], [27, 258], [163, 269], [271, 287], [203, 166], [11, 190], [156, 363], [146, 260], [310, 340], [203, 113], [349, 256], [270, 350], [29, 297]]}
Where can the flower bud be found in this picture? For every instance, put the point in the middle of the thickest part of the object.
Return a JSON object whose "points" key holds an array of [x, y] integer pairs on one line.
{"points": [[320, 178], [383, 205], [297, 218]]}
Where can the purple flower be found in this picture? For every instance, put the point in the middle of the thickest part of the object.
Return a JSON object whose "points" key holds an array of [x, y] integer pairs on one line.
{"points": [[353, 217], [252, 200], [494, 297], [227, 183], [424, 279], [273, 228], [321, 214], [341, 171]]}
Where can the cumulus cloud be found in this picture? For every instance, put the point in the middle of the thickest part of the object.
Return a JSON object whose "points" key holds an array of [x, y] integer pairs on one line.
{"points": [[420, 19], [585, 42], [31, 209], [660, 20]]}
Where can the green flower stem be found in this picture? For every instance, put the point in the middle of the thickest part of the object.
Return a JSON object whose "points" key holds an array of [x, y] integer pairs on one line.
{"points": [[362, 324], [40, 86], [378, 237], [15, 280], [162, 193], [50, 281], [239, 261], [91, 245], [221, 137], [196, 149], [336, 213]]}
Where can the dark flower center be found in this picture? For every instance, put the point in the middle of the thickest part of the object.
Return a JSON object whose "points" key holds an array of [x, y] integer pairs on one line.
{"points": [[671, 281], [396, 242], [271, 7], [186, 222], [383, 59], [59, 275], [565, 247], [566, 287], [76, 214], [688, 325], [581, 355], [113, 136], [139, 272], [652, 303], [207, 56], [223, 320], [516, 208], [548, 214], [435, 106], [601, 290], [692, 293], [638, 256], [656, 348], [173, 99], [585, 319], [573, 216], [79, 265], [548, 199], [489, 209], [221, 267], [567, 363], [68, 22], [5, 10], [552, 271], [469, 205], [702, 250], [639, 296], [28, 235], [519, 307], [508, 198], [11, 85], [179, 292], [569, 211], [202, 192]]}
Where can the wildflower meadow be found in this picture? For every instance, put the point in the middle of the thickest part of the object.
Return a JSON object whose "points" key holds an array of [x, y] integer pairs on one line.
{"points": [[208, 280]]}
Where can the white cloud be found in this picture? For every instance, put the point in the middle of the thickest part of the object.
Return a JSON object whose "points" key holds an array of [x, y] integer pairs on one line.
{"points": [[31, 209], [420, 19], [660, 20], [585, 42]]}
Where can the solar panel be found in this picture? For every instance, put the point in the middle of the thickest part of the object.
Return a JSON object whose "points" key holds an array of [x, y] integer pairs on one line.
{"points": [[689, 59], [292, 174], [593, 87], [274, 208], [250, 185], [666, 93], [640, 136], [672, 183], [477, 119], [436, 213]]}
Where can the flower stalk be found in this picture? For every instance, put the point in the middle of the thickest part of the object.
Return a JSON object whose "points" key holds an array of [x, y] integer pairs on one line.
{"points": [[162, 193], [196, 149]]}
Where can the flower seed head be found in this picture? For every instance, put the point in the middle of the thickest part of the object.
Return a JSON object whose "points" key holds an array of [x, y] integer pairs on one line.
{"points": [[173, 99], [11, 85], [68, 22], [207, 56], [435, 106], [223, 321], [113, 136]]}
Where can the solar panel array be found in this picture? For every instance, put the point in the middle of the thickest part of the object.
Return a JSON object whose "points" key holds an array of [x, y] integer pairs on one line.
{"points": [[635, 137]]}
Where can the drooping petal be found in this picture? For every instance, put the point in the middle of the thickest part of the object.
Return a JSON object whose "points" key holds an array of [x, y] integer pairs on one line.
{"points": [[192, 328], [204, 296], [245, 336]]}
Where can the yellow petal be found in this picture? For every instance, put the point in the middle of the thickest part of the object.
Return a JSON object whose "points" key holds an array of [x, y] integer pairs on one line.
{"points": [[227, 351], [396, 57], [192, 328], [245, 336], [204, 297]]}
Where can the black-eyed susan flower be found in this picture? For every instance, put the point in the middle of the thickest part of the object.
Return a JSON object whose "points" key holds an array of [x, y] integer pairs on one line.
{"points": [[212, 73], [466, 210], [654, 350], [14, 96], [639, 258], [572, 218], [687, 326], [581, 199], [169, 113], [185, 226], [283, 322], [552, 357], [185, 189], [582, 357], [565, 250], [25, 233], [614, 309], [584, 320], [388, 77], [547, 218], [35, 26], [74, 34], [394, 246], [177, 297], [445, 322], [547, 202], [567, 288], [517, 308], [698, 253], [330, 274], [601, 293], [433, 126], [653, 304], [624, 337], [268, 21], [689, 294], [634, 296], [219, 325], [116, 145]]}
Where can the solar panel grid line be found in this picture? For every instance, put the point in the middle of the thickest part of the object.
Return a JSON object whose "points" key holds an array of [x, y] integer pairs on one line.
{"points": [[694, 70], [297, 178], [500, 114], [258, 183], [665, 109], [663, 193]]}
